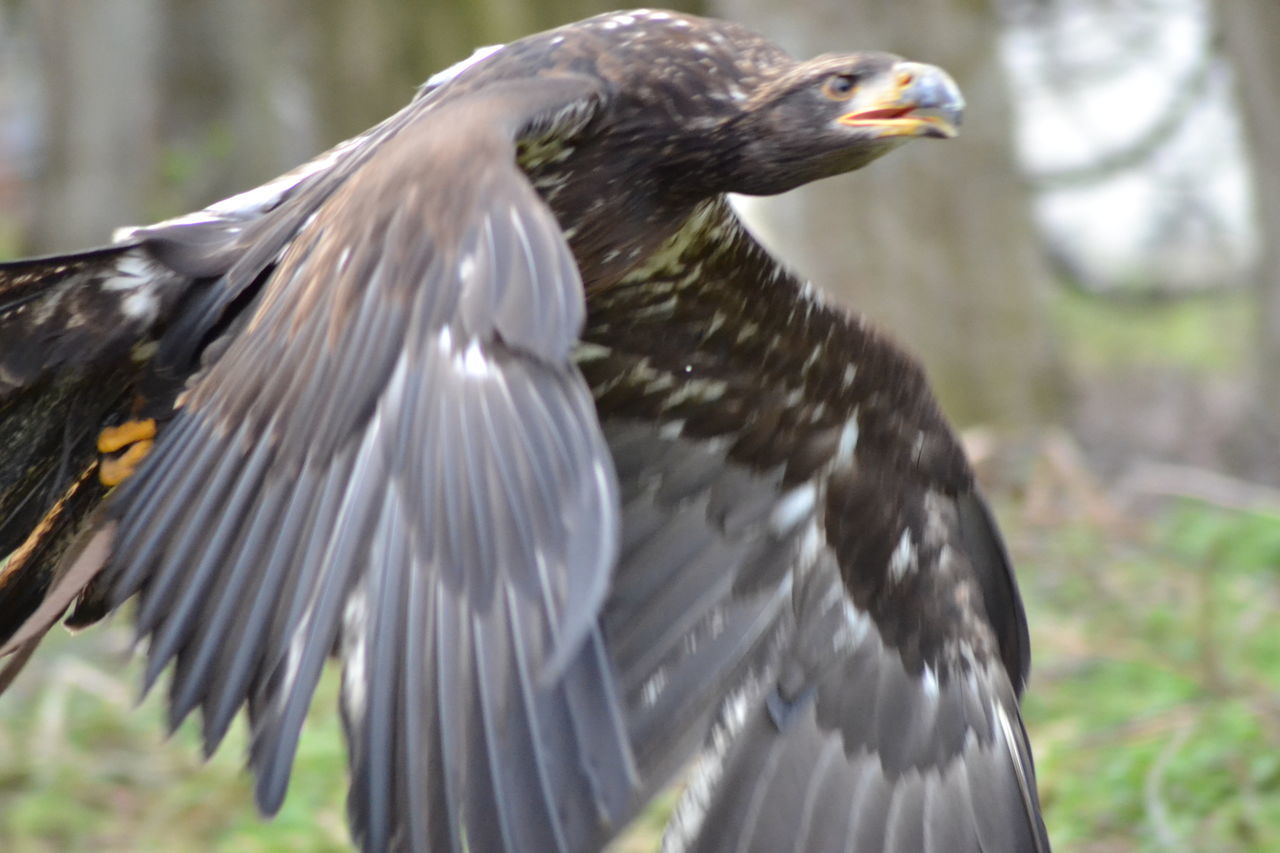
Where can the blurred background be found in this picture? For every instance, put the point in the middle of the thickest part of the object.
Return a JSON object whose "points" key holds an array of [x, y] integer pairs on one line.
{"points": [[1089, 273]]}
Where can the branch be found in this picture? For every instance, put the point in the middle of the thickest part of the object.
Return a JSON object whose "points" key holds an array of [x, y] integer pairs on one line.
{"points": [[1151, 140], [1158, 479], [1157, 808], [1074, 276]]}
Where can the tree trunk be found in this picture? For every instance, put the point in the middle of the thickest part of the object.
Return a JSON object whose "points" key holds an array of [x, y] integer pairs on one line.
{"points": [[1250, 29], [238, 103], [936, 241], [153, 109], [98, 66], [370, 63]]}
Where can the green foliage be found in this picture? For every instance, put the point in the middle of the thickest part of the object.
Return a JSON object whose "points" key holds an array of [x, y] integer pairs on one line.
{"points": [[1227, 541], [10, 237], [1200, 335], [190, 167]]}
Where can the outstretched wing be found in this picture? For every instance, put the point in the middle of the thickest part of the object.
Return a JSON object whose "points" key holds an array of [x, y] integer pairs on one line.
{"points": [[86, 338], [806, 570], [396, 457]]}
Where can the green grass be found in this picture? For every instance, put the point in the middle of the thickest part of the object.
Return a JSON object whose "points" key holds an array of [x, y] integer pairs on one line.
{"points": [[1201, 335], [1153, 710], [1153, 705], [83, 768]]}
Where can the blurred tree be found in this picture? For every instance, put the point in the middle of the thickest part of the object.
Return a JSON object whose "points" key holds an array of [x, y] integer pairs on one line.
{"points": [[152, 108], [1113, 97], [148, 107], [98, 68], [238, 105], [156, 108], [370, 55], [945, 252], [1249, 32], [1136, 152]]}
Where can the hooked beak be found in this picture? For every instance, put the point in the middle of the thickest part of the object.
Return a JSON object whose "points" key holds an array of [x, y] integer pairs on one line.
{"points": [[917, 100]]}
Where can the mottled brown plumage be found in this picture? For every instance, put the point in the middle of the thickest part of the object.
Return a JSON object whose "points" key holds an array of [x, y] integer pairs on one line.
{"points": [[500, 402]]}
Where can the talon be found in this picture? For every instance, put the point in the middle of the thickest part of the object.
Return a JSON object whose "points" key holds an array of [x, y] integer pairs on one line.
{"points": [[114, 438], [113, 472], [137, 437]]}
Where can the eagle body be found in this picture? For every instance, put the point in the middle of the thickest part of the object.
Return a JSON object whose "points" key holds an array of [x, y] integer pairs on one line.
{"points": [[501, 404]]}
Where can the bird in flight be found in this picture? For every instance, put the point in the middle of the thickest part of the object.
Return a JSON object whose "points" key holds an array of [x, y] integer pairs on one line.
{"points": [[501, 405]]}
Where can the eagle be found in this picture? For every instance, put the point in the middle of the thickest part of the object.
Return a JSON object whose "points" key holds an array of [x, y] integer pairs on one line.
{"points": [[500, 404]]}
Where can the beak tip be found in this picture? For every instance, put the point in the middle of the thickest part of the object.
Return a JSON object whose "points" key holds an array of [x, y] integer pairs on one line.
{"points": [[931, 88]]}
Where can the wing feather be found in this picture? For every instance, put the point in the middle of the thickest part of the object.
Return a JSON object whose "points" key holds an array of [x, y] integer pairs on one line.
{"points": [[421, 788], [193, 586], [453, 686], [197, 664], [497, 831], [251, 626], [374, 639]]}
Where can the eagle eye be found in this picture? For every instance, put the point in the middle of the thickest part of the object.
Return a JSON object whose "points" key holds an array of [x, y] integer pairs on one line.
{"points": [[839, 87]]}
